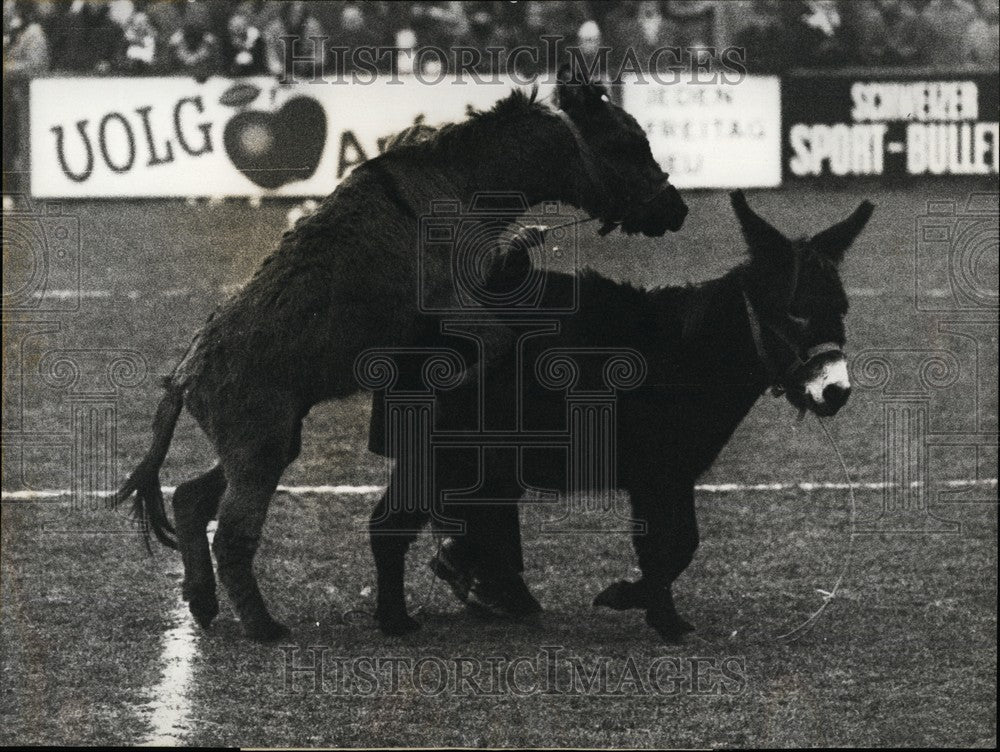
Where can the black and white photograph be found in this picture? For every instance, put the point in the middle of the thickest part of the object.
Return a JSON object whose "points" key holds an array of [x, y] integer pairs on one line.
{"points": [[539, 374]]}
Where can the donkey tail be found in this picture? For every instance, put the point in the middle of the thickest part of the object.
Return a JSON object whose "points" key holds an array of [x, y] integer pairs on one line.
{"points": [[144, 481]]}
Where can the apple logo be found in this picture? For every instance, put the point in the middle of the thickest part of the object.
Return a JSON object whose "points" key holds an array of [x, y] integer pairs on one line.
{"points": [[274, 148]]}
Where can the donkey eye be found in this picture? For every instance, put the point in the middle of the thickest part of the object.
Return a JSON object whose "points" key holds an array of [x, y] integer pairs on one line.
{"points": [[605, 99]]}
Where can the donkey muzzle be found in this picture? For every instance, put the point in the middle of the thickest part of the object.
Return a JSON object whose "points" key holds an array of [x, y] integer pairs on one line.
{"points": [[822, 383], [663, 211]]}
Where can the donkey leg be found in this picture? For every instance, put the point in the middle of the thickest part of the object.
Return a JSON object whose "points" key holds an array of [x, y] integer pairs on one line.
{"points": [[391, 531], [252, 472], [195, 502], [241, 519], [664, 552]]}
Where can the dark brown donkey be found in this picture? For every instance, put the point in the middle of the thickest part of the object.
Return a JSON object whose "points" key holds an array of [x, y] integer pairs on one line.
{"points": [[349, 277], [707, 352]]}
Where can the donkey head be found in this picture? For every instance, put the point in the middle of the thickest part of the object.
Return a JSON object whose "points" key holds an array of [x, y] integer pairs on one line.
{"points": [[796, 303], [625, 185]]}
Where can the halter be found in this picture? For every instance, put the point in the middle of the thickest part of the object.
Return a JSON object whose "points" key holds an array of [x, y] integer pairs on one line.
{"points": [[776, 375], [590, 167], [586, 153]]}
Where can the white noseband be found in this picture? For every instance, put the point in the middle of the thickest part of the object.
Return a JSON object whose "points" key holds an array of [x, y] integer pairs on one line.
{"points": [[833, 373]]}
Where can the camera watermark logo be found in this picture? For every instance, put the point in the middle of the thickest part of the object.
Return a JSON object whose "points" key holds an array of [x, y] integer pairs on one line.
{"points": [[956, 255], [459, 247], [41, 259], [907, 381], [83, 389]]}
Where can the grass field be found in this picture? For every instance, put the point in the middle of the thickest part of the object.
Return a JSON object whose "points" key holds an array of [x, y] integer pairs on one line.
{"points": [[905, 654]]}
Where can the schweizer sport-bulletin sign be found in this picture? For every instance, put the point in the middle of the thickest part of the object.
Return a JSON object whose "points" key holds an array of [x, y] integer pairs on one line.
{"points": [[912, 123]]}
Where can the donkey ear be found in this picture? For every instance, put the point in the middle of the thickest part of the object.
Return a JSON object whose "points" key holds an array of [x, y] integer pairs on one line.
{"points": [[575, 91], [835, 240], [759, 234]]}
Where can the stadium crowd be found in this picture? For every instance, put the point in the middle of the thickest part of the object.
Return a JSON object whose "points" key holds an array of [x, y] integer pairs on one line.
{"points": [[207, 37]]}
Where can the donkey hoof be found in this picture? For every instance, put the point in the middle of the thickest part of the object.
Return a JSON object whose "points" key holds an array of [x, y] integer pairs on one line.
{"points": [[620, 596], [267, 631], [684, 625], [671, 634], [671, 628], [204, 608], [397, 626]]}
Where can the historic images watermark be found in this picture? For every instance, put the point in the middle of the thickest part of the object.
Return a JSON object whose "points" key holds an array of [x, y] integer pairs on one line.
{"points": [[521, 65], [552, 671]]}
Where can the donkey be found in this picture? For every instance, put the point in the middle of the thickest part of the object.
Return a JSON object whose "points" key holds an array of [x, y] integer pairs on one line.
{"points": [[709, 352], [348, 277]]}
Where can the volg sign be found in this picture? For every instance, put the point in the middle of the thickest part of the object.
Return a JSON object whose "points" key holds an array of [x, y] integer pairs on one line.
{"points": [[175, 137]]}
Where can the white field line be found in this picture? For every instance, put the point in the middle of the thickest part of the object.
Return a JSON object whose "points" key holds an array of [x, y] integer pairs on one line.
{"points": [[170, 702], [716, 488]]}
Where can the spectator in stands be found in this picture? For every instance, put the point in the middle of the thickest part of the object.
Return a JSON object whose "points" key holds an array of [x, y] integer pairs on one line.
{"points": [[729, 20], [193, 49], [217, 14], [259, 13], [553, 17], [85, 39], [638, 30], [25, 55], [167, 19], [359, 25], [794, 33], [691, 23], [982, 40], [944, 30], [242, 48], [439, 24], [404, 57], [556, 18], [588, 43], [353, 29], [492, 25], [25, 45], [140, 43], [765, 38], [481, 24], [295, 25], [816, 34], [881, 32], [599, 10], [120, 11]]}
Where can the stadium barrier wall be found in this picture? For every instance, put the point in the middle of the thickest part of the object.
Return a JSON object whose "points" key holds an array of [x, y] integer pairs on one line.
{"points": [[176, 137]]}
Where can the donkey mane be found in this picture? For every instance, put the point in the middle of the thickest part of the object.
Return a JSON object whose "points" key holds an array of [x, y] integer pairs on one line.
{"points": [[479, 125], [404, 170]]}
